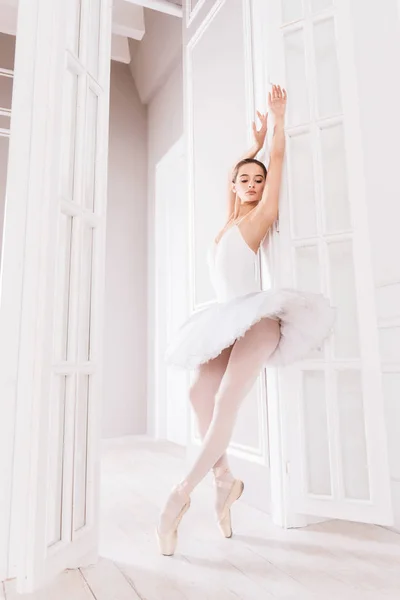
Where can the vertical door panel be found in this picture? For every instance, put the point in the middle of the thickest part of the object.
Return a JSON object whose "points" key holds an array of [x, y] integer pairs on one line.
{"points": [[63, 122], [332, 401]]}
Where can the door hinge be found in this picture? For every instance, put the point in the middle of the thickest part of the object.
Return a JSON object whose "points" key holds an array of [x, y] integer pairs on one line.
{"points": [[287, 467]]}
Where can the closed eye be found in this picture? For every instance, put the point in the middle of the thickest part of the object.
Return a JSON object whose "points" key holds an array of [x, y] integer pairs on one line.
{"points": [[257, 180]]}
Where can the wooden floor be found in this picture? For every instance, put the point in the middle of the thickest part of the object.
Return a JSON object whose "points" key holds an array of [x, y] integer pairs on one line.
{"points": [[330, 561]]}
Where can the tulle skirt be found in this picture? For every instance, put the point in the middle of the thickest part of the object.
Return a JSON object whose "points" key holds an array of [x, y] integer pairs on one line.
{"points": [[306, 319]]}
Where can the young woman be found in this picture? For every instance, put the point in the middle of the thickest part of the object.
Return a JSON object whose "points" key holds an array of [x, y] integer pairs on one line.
{"points": [[230, 342]]}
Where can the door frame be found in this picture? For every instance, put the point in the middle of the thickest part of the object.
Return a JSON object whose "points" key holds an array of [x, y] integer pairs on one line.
{"points": [[160, 368], [26, 290], [22, 189], [279, 410]]}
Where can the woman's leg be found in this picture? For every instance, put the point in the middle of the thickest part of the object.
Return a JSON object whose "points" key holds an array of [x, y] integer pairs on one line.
{"points": [[247, 358], [202, 397]]}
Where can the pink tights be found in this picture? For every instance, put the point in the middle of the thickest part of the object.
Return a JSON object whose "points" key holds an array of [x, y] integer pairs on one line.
{"points": [[218, 391]]}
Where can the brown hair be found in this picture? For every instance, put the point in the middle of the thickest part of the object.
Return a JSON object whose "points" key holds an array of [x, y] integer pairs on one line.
{"points": [[247, 161]]}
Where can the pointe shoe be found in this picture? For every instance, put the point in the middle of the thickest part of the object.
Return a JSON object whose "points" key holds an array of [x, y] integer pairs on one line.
{"points": [[167, 540], [231, 491]]}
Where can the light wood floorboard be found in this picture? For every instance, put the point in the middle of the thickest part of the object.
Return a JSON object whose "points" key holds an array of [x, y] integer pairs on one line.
{"points": [[337, 559], [70, 585], [334, 560]]}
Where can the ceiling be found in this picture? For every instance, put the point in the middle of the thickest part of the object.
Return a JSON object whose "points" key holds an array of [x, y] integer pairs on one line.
{"points": [[128, 21]]}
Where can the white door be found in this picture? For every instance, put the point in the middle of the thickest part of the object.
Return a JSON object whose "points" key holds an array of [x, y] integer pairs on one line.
{"points": [[222, 91], [334, 429], [171, 244], [53, 270]]}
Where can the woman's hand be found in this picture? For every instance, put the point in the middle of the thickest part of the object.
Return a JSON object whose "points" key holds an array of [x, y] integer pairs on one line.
{"points": [[260, 134], [277, 102]]}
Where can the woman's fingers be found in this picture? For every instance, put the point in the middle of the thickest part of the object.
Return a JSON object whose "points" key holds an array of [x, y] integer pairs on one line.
{"points": [[276, 93], [263, 119]]}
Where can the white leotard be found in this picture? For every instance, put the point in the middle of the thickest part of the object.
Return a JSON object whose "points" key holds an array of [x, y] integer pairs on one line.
{"points": [[233, 266]]}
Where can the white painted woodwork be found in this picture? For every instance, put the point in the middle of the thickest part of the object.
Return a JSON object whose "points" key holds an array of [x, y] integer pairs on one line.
{"points": [[171, 297], [6, 435], [8, 16], [128, 20], [120, 49], [193, 9], [4, 143], [6, 86], [334, 434], [165, 127], [163, 6], [388, 310], [222, 90], [380, 143], [156, 56], [51, 376]]}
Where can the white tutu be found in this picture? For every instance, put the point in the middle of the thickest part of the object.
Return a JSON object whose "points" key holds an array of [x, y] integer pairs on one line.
{"points": [[305, 318]]}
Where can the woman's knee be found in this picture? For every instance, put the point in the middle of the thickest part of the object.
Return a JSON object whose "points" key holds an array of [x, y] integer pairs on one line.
{"points": [[229, 394], [201, 388]]}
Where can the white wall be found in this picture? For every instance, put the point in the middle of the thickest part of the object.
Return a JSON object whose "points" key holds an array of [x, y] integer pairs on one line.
{"points": [[156, 68], [165, 127], [157, 54], [126, 276]]}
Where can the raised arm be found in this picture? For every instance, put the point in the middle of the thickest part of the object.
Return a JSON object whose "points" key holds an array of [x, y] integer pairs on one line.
{"points": [[259, 139], [268, 208]]}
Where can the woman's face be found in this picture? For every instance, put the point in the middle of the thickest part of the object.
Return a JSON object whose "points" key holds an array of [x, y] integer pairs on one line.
{"points": [[249, 183]]}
